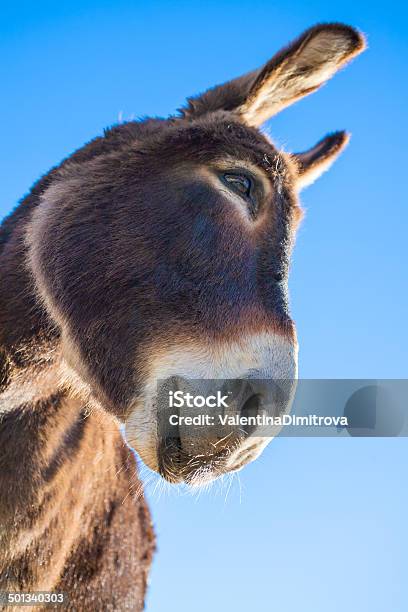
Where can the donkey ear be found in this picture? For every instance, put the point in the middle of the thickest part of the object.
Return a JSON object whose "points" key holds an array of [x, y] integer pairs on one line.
{"points": [[312, 163], [300, 69], [294, 72]]}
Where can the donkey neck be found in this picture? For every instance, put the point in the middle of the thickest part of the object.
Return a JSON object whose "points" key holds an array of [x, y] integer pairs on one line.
{"points": [[64, 474], [48, 442], [70, 498], [65, 471]]}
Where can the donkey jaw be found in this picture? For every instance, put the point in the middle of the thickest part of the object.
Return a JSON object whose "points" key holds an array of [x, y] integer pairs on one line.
{"points": [[195, 459]]}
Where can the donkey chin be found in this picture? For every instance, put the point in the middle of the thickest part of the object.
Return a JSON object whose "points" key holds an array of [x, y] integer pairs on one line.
{"points": [[197, 442]]}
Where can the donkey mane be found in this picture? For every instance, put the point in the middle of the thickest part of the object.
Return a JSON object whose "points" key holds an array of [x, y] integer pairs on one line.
{"points": [[159, 250]]}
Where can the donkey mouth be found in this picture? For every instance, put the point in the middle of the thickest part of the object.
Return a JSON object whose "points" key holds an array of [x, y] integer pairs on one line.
{"points": [[204, 450], [177, 466], [180, 460]]}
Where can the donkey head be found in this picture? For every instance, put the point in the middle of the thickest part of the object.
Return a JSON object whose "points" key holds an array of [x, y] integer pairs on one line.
{"points": [[164, 256]]}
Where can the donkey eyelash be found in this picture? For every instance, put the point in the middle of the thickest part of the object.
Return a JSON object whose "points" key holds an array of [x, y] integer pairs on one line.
{"points": [[240, 183], [245, 187]]}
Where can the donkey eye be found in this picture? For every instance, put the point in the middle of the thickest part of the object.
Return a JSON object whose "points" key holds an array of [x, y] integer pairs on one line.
{"points": [[239, 183]]}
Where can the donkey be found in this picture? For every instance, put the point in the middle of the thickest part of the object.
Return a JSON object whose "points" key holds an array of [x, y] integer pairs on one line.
{"points": [[158, 250]]}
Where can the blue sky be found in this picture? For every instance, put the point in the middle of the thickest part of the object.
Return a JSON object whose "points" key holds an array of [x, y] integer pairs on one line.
{"points": [[318, 524]]}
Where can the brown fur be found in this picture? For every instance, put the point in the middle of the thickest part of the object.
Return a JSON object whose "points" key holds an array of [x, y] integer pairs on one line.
{"points": [[131, 241]]}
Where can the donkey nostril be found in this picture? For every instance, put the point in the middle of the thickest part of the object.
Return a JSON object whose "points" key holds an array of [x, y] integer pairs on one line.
{"points": [[251, 409]]}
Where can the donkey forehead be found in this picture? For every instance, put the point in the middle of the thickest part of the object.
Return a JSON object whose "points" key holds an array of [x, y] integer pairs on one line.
{"points": [[216, 137]]}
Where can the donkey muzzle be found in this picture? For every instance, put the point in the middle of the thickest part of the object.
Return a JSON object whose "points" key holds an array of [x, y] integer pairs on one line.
{"points": [[209, 427]]}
